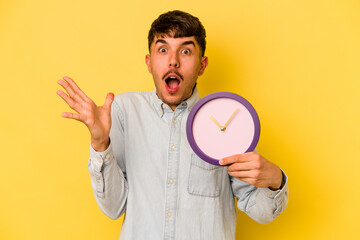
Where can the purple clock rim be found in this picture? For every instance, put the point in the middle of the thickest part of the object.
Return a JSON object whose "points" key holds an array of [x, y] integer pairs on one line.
{"points": [[208, 98]]}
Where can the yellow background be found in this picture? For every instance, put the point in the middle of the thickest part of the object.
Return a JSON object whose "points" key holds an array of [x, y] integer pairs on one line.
{"points": [[297, 62]]}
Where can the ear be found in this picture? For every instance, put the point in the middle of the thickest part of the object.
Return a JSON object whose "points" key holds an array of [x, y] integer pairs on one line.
{"points": [[204, 63], [148, 62]]}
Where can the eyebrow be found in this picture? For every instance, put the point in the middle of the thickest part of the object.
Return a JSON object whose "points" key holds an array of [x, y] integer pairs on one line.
{"points": [[188, 43], [182, 44]]}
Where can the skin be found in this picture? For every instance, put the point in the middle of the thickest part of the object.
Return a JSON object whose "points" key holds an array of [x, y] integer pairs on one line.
{"points": [[96, 118], [254, 169], [180, 57]]}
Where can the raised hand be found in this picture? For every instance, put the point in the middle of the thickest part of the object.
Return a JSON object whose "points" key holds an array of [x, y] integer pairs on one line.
{"points": [[96, 118]]}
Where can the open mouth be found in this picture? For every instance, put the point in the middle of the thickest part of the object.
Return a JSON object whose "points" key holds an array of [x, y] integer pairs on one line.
{"points": [[172, 83]]}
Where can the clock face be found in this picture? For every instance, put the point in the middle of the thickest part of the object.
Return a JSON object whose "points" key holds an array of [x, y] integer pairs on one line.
{"points": [[221, 125]]}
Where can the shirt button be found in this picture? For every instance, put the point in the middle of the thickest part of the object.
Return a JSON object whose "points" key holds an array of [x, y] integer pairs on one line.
{"points": [[163, 106], [169, 214], [107, 156], [99, 160], [175, 121], [171, 181], [173, 148]]}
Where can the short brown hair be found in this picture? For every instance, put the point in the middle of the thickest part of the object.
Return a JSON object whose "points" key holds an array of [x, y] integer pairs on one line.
{"points": [[178, 24]]}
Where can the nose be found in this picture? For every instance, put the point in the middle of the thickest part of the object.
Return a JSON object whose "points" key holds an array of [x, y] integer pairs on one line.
{"points": [[174, 61]]}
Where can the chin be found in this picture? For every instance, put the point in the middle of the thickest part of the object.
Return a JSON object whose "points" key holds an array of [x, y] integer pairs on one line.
{"points": [[172, 101], [172, 98]]}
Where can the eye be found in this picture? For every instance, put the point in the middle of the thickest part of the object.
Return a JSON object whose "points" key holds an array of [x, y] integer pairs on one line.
{"points": [[162, 50], [186, 51]]}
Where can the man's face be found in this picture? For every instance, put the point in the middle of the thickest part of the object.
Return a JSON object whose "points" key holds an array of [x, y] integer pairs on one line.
{"points": [[175, 64]]}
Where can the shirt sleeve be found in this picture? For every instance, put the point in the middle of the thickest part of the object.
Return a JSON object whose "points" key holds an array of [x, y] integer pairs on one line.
{"points": [[107, 171], [261, 204]]}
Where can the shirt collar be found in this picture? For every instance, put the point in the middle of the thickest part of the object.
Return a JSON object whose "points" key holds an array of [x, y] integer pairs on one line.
{"points": [[189, 103]]}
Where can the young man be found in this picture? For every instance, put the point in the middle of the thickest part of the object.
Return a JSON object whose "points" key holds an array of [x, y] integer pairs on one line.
{"points": [[141, 163]]}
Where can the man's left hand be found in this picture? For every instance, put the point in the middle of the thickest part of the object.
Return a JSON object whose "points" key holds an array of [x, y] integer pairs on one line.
{"points": [[254, 169]]}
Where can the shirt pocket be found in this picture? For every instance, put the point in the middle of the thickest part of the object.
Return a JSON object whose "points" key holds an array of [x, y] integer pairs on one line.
{"points": [[204, 179]]}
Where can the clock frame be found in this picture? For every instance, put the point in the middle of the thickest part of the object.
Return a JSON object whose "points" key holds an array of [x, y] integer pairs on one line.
{"points": [[201, 103]]}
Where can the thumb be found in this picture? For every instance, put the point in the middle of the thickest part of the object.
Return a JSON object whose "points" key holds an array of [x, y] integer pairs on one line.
{"points": [[109, 99]]}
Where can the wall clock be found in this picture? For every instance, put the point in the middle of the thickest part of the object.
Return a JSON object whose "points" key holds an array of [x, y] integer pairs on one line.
{"points": [[222, 124]]}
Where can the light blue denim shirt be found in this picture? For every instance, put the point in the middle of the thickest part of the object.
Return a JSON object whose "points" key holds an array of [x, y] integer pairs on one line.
{"points": [[150, 173]]}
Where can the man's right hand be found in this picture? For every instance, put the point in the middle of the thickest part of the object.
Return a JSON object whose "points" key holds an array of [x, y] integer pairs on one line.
{"points": [[96, 118]]}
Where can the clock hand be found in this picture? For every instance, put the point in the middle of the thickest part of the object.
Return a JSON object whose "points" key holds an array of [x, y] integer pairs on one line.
{"points": [[221, 127], [230, 118]]}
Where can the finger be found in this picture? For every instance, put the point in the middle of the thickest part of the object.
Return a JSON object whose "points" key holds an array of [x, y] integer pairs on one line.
{"points": [[72, 104], [69, 89], [109, 99], [240, 167], [245, 157], [75, 87], [71, 115], [241, 174]]}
